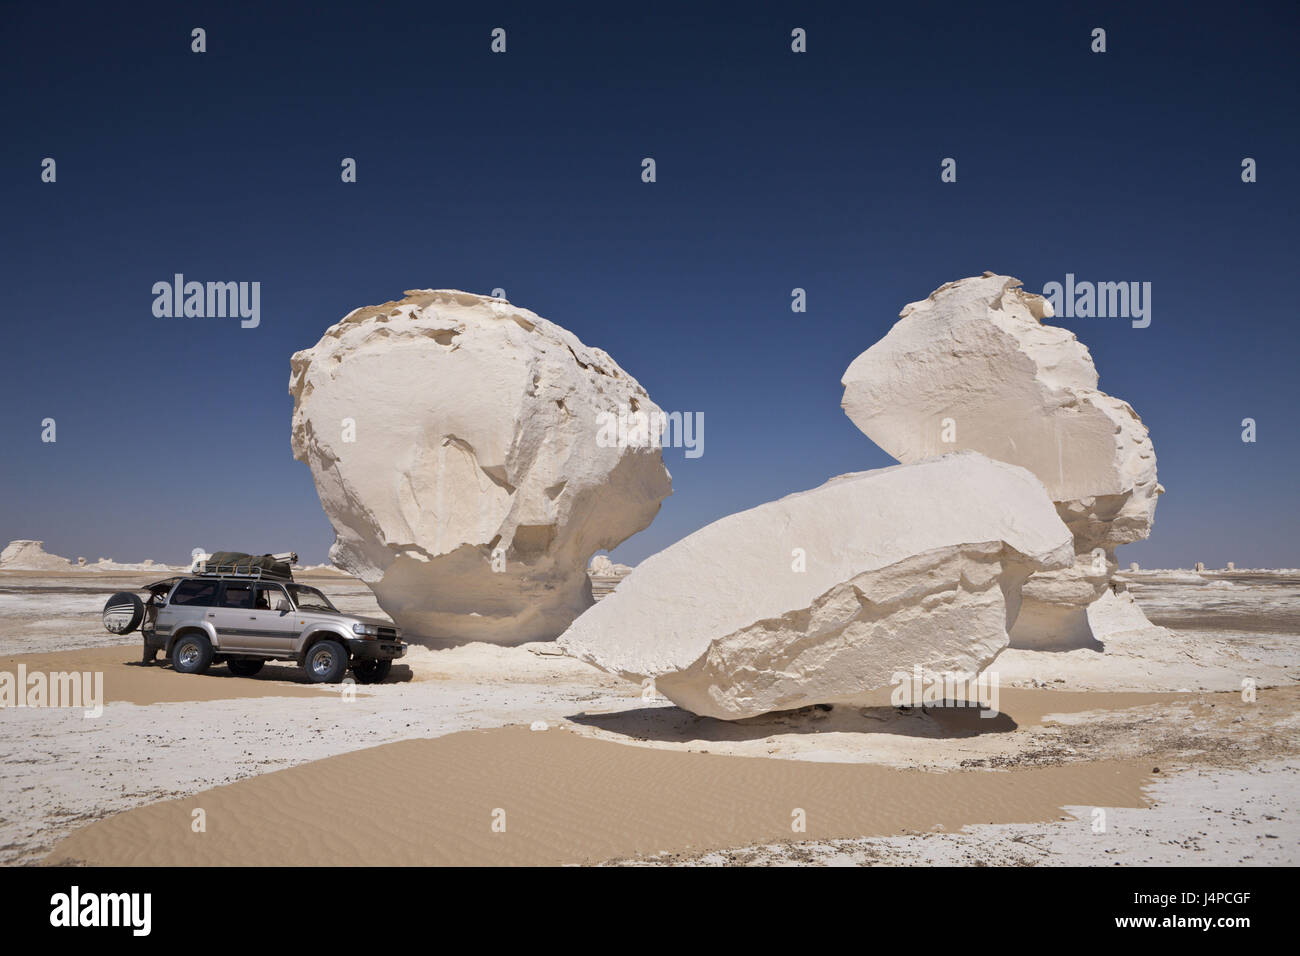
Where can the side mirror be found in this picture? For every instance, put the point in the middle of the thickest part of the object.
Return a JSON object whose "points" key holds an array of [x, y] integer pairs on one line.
{"points": [[284, 607]]}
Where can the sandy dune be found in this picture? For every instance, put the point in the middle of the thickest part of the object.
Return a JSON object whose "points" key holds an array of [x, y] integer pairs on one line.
{"points": [[565, 800]]}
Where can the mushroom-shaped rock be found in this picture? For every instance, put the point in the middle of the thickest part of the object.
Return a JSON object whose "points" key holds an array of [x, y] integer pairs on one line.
{"points": [[825, 595], [974, 367], [461, 449]]}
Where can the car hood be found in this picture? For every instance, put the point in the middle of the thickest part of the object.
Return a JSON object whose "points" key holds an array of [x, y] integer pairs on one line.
{"points": [[350, 618]]}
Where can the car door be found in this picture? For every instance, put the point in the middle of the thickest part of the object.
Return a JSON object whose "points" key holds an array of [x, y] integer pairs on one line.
{"points": [[277, 623], [234, 618], [192, 600]]}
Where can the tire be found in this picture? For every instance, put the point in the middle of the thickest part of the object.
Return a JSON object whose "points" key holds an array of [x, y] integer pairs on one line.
{"points": [[326, 662], [245, 667], [371, 672], [123, 613], [192, 653]]}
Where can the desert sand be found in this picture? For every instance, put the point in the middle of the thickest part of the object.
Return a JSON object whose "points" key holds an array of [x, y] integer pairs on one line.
{"points": [[557, 798], [616, 778]]}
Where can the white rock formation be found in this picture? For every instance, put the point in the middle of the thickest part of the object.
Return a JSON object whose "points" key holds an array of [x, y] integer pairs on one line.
{"points": [[605, 575], [821, 596], [108, 564], [602, 566], [26, 555], [457, 446], [974, 367], [31, 556]]}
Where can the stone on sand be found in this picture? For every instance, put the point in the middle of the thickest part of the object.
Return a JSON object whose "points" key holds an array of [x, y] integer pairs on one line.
{"points": [[974, 367], [455, 443], [822, 596]]}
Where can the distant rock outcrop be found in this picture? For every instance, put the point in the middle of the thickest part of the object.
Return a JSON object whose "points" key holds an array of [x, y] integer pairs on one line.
{"points": [[605, 575], [25, 555], [457, 446], [31, 556]]}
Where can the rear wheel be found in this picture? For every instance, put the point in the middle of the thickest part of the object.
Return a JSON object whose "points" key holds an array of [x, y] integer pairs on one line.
{"points": [[326, 662], [244, 668], [191, 654], [371, 672]]}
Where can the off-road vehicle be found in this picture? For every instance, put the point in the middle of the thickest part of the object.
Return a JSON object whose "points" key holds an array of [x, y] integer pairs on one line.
{"points": [[247, 611]]}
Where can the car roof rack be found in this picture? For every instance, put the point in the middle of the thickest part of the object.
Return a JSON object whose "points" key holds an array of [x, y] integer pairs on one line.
{"points": [[242, 571]]}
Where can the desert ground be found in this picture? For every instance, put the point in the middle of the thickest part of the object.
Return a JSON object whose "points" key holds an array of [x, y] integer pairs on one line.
{"points": [[482, 754]]}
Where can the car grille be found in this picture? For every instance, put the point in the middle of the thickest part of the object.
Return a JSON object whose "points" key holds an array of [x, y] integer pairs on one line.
{"points": [[388, 633]]}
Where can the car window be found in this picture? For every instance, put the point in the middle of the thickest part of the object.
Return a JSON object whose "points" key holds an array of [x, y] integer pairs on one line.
{"points": [[200, 593], [269, 597], [310, 598], [237, 595]]}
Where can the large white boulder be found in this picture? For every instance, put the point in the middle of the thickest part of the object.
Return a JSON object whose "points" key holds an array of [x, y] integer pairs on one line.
{"points": [[974, 367], [457, 446], [822, 596]]}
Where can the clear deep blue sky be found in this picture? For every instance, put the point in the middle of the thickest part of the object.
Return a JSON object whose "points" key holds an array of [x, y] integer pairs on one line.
{"points": [[522, 171]]}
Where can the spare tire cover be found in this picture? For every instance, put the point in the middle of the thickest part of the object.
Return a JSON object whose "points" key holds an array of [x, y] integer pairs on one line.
{"points": [[123, 613]]}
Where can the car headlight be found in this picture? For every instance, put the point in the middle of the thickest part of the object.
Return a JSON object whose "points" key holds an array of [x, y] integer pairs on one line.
{"points": [[365, 630]]}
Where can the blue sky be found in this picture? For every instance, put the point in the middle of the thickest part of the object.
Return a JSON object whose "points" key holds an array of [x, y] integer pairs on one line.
{"points": [[522, 171]]}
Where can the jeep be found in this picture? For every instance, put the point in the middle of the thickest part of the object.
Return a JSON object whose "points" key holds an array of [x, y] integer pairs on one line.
{"points": [[245, 616]]}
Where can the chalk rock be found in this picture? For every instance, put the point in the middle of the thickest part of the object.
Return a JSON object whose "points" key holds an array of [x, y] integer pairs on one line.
{"points": [[25, 555], [821, 596], [974, 367], [457, 446], [605, 575], [602, 566], [108, 564]]}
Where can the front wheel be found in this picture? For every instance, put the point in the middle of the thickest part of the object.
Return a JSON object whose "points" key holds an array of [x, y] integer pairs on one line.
{"points": [[326, 662], [191, 654], [371, 672]]}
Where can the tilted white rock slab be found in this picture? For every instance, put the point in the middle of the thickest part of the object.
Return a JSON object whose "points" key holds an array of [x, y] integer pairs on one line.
{"points": [[456, 445], [910, 565]]}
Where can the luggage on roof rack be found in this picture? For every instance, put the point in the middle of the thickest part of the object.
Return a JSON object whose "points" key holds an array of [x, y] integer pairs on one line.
{"points": [[242, 564]]}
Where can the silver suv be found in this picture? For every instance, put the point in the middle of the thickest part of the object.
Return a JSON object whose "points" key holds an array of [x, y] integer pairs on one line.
{"points": [[244, 619]]}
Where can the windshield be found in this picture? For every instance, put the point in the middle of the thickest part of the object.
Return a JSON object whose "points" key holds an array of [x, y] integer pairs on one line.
{"points": [[306, 598]]}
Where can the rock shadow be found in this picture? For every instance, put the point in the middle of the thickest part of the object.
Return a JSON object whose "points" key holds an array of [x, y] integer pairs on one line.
{"points": [[672, 724]]}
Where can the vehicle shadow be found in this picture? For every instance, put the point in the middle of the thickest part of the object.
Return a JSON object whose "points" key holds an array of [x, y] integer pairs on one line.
{"points": [[668, 723], [279, 671]]}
